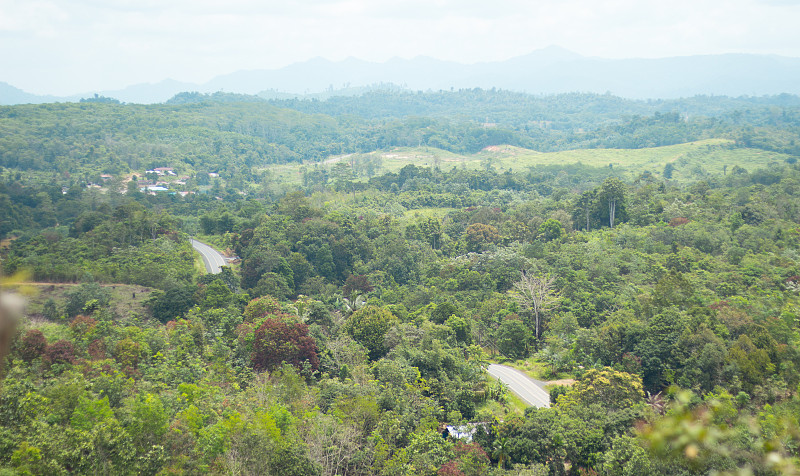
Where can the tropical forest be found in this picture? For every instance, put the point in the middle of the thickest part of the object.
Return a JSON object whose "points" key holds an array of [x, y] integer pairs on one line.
{"points": [[636, 261]]}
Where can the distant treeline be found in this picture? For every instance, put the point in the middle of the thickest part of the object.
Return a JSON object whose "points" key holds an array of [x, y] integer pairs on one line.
{"points": [[238, 134]]}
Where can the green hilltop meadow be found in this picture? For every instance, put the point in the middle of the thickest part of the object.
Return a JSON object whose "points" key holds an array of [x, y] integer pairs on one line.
{"points": [[689, 161]]}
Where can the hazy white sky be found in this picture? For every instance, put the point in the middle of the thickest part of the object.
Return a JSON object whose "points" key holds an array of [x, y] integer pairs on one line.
{"points": [[71, 46]]}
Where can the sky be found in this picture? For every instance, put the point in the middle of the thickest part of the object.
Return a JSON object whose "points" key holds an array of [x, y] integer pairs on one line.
{"points": [[66, 47]]}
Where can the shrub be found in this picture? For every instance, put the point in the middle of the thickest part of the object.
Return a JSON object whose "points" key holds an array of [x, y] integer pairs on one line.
{"points": [[32, 345], [82, 325], [261, 307], [60, 352], [97, 349]]}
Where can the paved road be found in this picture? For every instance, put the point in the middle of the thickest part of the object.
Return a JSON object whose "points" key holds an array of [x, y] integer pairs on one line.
{"points": [[211, 258], [529, 390]]}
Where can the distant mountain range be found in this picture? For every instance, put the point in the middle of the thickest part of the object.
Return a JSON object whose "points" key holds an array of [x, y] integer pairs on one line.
{"points": [[547, 71]]}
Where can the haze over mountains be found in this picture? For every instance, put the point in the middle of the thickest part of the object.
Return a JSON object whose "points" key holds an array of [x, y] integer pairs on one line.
{"points": [[547, 71]]}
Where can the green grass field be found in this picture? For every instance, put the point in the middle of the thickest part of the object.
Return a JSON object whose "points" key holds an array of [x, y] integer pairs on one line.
{"points": [[122, 303], [691, 161]]}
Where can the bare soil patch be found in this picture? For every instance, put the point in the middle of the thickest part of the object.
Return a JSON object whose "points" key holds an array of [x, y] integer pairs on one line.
{"points": [[567, 382]]}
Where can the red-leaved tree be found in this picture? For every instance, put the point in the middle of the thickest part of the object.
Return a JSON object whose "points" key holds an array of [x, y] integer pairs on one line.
{"points": [[60, 352], [277, 341], [356, 283], [32, 345]]}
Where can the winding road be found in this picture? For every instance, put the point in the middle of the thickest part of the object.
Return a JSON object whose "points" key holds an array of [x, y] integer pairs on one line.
{"points": [[211, 257], [529, 390]]}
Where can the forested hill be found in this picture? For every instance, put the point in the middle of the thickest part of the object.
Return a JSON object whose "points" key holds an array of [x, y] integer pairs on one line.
{"points": [[548, 71], [510, 107], [241, 133], [372, 288]]}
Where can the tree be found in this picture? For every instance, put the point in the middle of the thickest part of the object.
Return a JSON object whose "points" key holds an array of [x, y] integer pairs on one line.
{"points": [[226, 275], [612, 192], [296, 205], [291, 459], [658, 350], [273, 284], [427, 451], [333, 444], [356, 284], [478, 236], [89, 413], [460, 328], [536, 295], [368, 327], [343, 177], [79, 296], [127, 353], [50, 311], [260, 262], [172, 304], [626, 457], [431, 229], [550, 230], [513, 338], [609, 388], [669, 168], [261, 307], [471, 460], [215, 295], [674, 289], [302, 270], [60, 352], [583, 209], [500, 452], [277, 341], [148, 421], [443, 311]]}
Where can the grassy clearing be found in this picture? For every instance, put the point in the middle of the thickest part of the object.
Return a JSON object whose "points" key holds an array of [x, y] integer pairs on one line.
{"points": [[126, 299], [654, 158], [491, 410], [692, 161], [515, 403], [398, 158], [533, 369], [53, 331], [291, 173], [567, 382], [6, 243]]}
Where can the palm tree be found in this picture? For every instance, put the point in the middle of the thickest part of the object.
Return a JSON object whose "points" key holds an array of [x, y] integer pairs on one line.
{"points": [[501, 451], [352, 305]]}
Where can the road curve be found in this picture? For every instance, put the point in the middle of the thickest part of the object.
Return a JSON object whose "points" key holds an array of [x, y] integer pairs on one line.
{"points": [[211, 257], [529, 390]]}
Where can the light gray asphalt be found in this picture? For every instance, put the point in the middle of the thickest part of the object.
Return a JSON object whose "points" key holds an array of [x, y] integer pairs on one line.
{"points": [[529, 390], [211, 258]]}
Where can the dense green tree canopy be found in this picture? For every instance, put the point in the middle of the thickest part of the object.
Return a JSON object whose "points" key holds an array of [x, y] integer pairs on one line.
{"points": [[374, 273]]}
